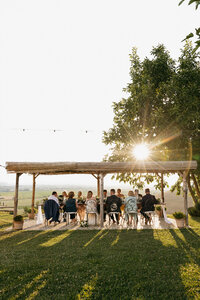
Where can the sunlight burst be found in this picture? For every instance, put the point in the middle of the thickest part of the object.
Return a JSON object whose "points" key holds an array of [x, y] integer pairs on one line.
{"points": [[141, 152]]}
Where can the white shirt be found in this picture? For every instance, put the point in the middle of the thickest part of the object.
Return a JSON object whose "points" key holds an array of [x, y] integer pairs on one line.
{"points": [[52, 197]]}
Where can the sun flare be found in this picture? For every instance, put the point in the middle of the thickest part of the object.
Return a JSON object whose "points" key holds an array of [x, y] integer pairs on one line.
{"points": [[141, 152]]}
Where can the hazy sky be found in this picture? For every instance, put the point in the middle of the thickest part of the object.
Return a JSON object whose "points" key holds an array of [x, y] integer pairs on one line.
{"points": [[63, 63]]}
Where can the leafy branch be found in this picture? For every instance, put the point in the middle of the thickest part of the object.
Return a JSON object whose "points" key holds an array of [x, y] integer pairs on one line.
{"points": [[197, 30]]}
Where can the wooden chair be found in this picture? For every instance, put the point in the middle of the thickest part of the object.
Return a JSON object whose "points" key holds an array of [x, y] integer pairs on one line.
{"points": [[151, 214], [67, 215], [95, 213], [113, 213], [91, 209], [135, 215]]}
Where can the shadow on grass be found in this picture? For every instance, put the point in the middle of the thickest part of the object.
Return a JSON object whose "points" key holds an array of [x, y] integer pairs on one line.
{"points": [[195, 220], [187, 241], [114, 264], [3, 226], [194, 233]]}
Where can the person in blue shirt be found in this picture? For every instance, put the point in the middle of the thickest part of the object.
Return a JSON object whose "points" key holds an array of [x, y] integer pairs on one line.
{"points": [[71, 206]]}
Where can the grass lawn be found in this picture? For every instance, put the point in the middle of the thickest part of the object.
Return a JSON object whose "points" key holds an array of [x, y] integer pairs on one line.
{"points": [[127, 264]]}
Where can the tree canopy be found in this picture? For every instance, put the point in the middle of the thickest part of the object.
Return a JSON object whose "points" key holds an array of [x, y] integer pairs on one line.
{"points": [[197, 30], [162, 110]]}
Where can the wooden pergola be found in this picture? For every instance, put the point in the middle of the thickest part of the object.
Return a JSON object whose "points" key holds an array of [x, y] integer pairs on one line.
{"points": [[99, 170]]}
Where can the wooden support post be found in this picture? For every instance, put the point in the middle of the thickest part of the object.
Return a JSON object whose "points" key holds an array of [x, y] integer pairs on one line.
{"points": [[162, 189], [98, 185], [33, 197], [185, 194], [101, 200], [16, 193]]}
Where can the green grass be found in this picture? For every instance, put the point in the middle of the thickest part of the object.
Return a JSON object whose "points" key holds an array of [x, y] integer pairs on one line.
{"points": [[127, 264], [5, 220], [25, 197], [193, 221]]}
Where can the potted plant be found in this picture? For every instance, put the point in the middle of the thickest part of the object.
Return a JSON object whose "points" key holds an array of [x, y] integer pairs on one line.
{"points": [[159, 211], [18, 222], [30, 215], [180, 219]]}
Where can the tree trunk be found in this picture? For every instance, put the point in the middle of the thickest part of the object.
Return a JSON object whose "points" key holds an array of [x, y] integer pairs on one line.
{"points": [[191, 190], [196, 185]]}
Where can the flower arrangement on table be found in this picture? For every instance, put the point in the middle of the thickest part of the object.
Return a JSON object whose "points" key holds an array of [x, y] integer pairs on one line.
{"points": [[83, 223], [98, 200], [81, 200]]}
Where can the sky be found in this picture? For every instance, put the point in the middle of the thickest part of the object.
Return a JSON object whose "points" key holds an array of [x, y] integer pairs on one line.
{"points": [[63, 63]]}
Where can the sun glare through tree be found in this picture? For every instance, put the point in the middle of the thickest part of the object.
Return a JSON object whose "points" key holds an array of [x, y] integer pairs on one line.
{"points": [[141, 152]]}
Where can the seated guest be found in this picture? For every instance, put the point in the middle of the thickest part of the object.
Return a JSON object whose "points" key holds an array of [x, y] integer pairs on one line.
{"points": [[139, 198], [119, 194], [136, 193], [91, 203], [71, 206], [91, 208], [131, 207], [105, 194], [65, 196], [148, 202], [81, 206], [54, 197], [79, 195], [51, 208], [61, 199], [113, 204]]}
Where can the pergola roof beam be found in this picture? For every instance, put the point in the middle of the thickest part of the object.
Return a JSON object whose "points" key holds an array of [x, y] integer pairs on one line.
{"points": [[99, 167]]}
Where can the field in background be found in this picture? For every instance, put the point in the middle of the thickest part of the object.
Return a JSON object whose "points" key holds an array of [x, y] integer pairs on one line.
{"points": [[174, 202]]}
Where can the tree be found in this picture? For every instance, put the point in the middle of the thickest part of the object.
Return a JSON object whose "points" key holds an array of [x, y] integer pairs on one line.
{"points": [[163, 110], [197, 30]]}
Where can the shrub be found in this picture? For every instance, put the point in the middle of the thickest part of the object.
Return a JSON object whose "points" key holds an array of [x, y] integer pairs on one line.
{"points": [[158, 200], [18, 218], [197, 206], [44, 200], [29, 211], [26, 209], [194, 211], [179, 215]]}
